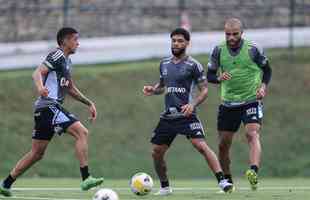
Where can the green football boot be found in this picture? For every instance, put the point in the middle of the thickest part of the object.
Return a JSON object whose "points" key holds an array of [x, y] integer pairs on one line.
{"points": [[252, 178], [5, 191], [91, 182]]}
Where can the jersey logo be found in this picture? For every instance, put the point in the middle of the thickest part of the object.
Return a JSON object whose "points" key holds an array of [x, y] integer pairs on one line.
{"points": [[34, 133], [254, 118], [199, 133], [165, 71], [195, 126], [176, 90], [58, 129], [173, 110], [251, 111], [37, 114], [64, 82]]}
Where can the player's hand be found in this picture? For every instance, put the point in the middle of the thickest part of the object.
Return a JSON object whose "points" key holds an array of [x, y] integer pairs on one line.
{"points": [[93, 112], [43, 91], [148, 90], [225, 76], [187, 109], [261, 92]]}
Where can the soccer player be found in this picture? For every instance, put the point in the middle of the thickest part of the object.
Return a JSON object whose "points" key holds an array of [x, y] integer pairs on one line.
{"points": [[244, 75], [53, 80], [180, 74]]}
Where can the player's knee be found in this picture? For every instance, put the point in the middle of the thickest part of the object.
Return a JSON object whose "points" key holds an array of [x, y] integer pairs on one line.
{"points": [[158, 153], [252, 135], [224, 144], [200, 146], [82, 134], [37, 155], [201, 149]]}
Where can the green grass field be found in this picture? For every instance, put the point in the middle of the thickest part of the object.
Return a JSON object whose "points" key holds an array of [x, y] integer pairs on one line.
{"points": [[67, 189], [126, 119], [120, 138]]}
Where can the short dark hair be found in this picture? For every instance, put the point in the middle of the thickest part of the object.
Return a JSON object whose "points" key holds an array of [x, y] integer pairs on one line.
{"points": [[181, 31], [63, 33]]}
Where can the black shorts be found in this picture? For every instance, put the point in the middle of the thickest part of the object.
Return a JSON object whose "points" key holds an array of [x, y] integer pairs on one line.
{"points": [[50, 120], [168, 129], [230, 118]]}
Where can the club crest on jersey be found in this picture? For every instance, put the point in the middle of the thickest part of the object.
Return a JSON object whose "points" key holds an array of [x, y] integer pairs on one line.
{"points": [[165, 71]]}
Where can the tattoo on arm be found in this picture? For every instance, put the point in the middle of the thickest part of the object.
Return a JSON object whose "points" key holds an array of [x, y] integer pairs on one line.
{"points": [[203, 88], [159, 88], [78, 95]]}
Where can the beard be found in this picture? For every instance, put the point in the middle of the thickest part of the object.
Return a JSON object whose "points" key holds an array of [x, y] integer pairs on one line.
{"points": [[234, 43], [177, 52]]}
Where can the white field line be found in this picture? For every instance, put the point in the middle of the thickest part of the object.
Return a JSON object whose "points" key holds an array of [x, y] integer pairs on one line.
{"points": [[37, 198], [126, 189], [174, 188]]}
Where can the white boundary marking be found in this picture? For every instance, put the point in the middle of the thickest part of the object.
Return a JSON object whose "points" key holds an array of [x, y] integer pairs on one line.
{"points": [[174, 188], [128, 189], [38, 198]]}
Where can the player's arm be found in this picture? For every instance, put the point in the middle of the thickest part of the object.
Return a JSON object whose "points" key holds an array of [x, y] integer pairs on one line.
{"points": [[267, 72], [37, 75], [76, 94], [202, 83], [261, 60], [203, 94], [157, 89], [213, 66]]}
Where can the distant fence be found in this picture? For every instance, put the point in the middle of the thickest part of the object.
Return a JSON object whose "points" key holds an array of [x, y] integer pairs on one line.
{"points": [[126, 48], [28, 20]]}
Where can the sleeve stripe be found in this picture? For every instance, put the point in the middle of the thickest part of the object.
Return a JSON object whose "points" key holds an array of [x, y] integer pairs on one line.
{"points": [[57, 55], [200, 67], [48, 64]]}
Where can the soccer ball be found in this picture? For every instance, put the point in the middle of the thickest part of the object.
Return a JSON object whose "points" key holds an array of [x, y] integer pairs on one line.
{"points": [[105, 194], [141, 184]]}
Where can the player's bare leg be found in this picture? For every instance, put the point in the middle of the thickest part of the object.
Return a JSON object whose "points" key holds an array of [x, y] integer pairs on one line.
{"points": [[253, 138], [36, 153], [225, 141], [80, 133], [158, 154], [201, 145]]}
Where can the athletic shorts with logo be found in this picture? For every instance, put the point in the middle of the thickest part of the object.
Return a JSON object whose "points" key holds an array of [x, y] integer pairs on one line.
{"points": [[230, 118], [168, 129], [50, 120]]}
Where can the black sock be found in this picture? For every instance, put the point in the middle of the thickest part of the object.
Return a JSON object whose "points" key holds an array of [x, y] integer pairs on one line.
{"points": [[84, 172], [219, 176], [164, 184], [255, 168], [228, 177], [7, 183]]}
